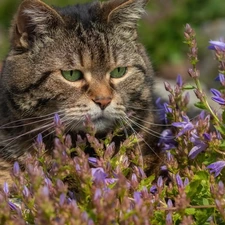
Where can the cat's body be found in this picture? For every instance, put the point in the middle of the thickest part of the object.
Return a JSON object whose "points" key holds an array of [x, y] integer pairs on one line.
{"points": [[77, 61]]}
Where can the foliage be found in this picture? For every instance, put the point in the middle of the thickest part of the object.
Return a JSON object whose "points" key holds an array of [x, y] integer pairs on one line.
{"points": [[108, 189]]}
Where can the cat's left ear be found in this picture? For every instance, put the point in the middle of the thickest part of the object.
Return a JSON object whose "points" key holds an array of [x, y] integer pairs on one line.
{"points": [[123, 13], [33, 20]]}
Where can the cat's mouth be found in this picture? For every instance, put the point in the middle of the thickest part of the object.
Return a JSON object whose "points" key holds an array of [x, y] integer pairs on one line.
{"points": [[102, 123]]}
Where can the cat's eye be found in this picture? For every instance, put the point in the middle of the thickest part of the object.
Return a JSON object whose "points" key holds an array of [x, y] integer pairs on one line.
{"points": [[118, 72], [72, 75]]}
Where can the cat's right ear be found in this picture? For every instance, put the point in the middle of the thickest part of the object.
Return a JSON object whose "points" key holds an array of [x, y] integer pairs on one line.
{"points": [[34, 19]]}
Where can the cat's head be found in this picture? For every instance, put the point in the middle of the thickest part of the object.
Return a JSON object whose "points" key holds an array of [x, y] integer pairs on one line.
{"points": [[78, 60]]}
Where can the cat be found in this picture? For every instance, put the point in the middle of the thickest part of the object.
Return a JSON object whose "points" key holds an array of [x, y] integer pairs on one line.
{"points": [[76, 61]]}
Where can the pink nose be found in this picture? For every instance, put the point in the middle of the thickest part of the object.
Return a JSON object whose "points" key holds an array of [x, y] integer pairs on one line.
{"points": [[102, 102]]}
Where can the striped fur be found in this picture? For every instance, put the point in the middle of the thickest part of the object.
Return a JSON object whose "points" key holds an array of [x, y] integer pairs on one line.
{"points": [[94, 38]]}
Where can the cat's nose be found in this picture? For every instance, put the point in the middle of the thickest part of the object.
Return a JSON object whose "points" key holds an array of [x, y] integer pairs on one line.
{"points": [[102, 102]]}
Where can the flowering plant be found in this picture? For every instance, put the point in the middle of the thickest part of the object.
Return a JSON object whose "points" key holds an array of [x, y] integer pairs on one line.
{"points": [[105, 190]]}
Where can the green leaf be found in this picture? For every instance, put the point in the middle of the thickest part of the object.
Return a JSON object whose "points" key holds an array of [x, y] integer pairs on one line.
{"points": [[190, 211], [223, 116], [147, 182], [221, 129], [222, 145], [205, 201], [188, 87], [200, 105]]}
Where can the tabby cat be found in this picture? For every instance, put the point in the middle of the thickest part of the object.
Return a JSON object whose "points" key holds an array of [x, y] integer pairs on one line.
{"points": [[76, 61]]}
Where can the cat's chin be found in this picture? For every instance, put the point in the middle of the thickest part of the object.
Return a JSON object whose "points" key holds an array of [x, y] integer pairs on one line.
{"points": [[102, 125]]}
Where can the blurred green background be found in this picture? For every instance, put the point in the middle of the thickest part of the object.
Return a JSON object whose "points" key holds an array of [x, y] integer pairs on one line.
{"points": [[161, 31]]}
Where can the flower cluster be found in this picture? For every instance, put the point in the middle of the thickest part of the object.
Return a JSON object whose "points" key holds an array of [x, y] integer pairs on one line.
{"points": [[71, 187]]}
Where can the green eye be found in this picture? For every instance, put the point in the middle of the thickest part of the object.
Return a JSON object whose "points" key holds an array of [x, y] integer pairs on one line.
{"points": [[72, 75], [118, 72]]}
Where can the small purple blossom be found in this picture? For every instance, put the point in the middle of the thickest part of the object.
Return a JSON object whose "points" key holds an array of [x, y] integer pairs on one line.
{"points": [[216, 167], [98, 174], [62, 199], [217, 96], [207, 137], [6, 188], [220, 78], [167, 140], [45, 191], [160, 182], [179, 181], [186, 125], [26, 191], [16, 169], [93, 160], [14, 207], [179, 81], [199, 146], [169, 219], [57, 120], [39, 139], [97, 194], [137, 197], [217, 45], [153, 189]]}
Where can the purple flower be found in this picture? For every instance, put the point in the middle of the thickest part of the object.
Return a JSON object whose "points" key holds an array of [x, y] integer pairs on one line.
{"points": [[186, 182], [153, 189], [179, 181], [6, 188], [167, 140], [221, 189], [160, 182], [98, 194], [169, 219], [39, 139], [186, 125], [220, 78], [14, 207], [216, 167], [45, 191], [110, 180], [217, 45], [57, 120], [179, 81], [93, 160], [217, 96], [207, 137], [16, 169], [98, 174], [137, 197], [200, 146], [162, 115], [26, 191], [62, 199]]}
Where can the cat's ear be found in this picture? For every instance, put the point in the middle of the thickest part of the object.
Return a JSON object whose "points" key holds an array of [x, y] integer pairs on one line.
{"points": [[33, 19], [123, 13]]}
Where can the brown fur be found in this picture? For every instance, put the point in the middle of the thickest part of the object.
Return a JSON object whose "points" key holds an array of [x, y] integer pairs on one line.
{"points": [[94, 38]]}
